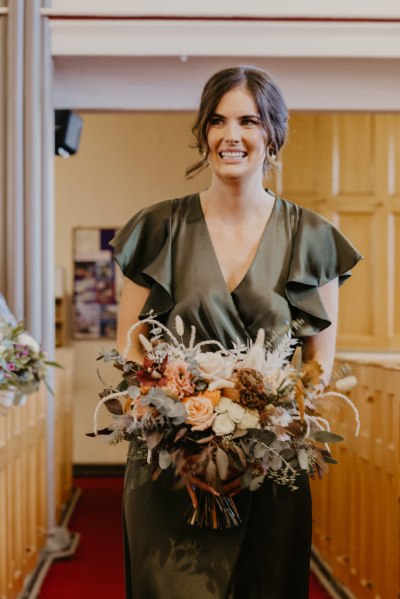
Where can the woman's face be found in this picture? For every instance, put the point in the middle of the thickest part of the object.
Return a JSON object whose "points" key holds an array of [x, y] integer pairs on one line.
{"points": [[236, 139]]}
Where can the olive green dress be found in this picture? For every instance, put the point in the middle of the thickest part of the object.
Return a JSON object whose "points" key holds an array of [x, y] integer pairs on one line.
{"points": [[167, 248]]}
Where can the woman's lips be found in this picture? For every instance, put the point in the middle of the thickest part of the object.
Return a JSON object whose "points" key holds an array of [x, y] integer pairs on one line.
{"points": [[233, 155]]}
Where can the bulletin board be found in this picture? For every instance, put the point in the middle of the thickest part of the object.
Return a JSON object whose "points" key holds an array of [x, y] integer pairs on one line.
{"points": [[97, 284]]}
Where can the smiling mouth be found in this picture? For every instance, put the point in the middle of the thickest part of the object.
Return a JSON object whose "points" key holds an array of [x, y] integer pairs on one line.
{"points": [[233, 155]]}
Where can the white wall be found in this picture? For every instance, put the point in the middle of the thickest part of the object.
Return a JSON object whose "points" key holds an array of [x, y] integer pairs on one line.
{"points": [[125, 161]]}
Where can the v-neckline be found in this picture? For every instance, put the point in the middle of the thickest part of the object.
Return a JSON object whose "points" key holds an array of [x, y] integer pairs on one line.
{"points": [[212, 247]]}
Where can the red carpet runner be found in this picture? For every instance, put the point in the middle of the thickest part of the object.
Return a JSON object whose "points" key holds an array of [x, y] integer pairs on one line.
{"points": [[96, 570]]}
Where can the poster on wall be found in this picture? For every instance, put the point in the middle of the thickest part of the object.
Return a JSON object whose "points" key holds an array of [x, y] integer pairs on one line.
{"points": [[97, 284]]}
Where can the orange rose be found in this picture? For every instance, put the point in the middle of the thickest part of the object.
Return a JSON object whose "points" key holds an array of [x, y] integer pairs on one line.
{"points": [[213, 396], [200, 411]]}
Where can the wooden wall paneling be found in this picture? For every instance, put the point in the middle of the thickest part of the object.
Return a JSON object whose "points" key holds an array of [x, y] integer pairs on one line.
{"points": [[3, 503], [364, 490], [356, 147], [393, 274], [300, 178], [3, 528], [22, 492], [356, 306], [64, 402], [389, 465], [393, 129]]}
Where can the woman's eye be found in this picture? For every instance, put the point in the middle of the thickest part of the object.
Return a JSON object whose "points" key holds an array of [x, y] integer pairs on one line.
{"points": [[215, 121], [249, 122]]}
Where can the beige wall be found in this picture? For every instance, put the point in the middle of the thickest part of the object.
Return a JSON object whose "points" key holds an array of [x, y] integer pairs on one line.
{"points": [[125, 161]]}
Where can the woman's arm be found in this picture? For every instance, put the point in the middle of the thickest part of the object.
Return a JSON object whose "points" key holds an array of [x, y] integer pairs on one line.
{"points": [[322, 346], [133, 298]]}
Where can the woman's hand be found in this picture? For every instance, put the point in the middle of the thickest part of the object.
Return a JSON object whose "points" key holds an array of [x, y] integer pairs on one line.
{"points": [[232, 488], [133, 298], [321, 347]]}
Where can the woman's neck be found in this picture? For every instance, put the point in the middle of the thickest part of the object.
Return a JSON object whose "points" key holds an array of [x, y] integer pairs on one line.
{"points": [[235, 199]]}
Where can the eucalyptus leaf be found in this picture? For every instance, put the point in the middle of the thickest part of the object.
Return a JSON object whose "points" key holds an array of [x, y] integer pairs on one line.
{"points": [[242, 456], [266, 437], [122, 386], [303, 459], [103, 431], [276, 462], [133, 392], [114, 406], [260, 451], [325, 437], [330, 459], [222, 461], [177, 412], [256, 483], [288, 454], [164, 459], [211, 473], [153, 439]]}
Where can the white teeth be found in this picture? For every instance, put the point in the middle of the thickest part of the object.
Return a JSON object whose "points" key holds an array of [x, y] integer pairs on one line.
{"points": [[233, 154]]}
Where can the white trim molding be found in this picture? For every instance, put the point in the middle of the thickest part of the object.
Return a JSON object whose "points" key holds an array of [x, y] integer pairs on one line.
{"points": [[224, 38], [362, 9], [170, 83]]}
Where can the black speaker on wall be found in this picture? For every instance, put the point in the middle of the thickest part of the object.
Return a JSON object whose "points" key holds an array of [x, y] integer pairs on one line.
{"points": [[68, 132]]}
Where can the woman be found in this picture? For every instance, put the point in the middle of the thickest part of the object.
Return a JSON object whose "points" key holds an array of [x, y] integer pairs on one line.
{"points": [[229, 260]]}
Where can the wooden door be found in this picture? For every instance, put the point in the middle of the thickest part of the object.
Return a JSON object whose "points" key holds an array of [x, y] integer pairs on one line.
{"points": [[347, 167]]}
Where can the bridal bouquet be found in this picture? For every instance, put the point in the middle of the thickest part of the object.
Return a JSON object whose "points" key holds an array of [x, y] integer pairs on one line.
{"points": [[23, 364], [223, 419]]}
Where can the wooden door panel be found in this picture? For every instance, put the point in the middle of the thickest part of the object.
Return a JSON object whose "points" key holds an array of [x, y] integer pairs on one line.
{"points": [[353, 150], [347, 167]]}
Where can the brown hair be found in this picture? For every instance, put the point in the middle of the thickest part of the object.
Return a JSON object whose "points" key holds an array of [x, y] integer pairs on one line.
{"points": [[267, 97]]}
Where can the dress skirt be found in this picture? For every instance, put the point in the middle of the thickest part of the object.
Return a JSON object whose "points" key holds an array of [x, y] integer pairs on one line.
{"points": [[266, 557]]}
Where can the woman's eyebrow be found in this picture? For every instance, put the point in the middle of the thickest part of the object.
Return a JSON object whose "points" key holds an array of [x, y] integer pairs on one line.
{"points": [[250, 116], [243, 116]]}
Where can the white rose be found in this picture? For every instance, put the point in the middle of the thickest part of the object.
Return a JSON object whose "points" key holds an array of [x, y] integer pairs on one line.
{"points": [[250, 420], [236, 412], [223, 405], [213, 365], [25, 339], [223, 425]]}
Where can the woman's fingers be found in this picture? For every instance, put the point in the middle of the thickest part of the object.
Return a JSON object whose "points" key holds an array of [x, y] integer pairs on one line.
{"points": [[192, 494], [200, 484], [233, 487]]}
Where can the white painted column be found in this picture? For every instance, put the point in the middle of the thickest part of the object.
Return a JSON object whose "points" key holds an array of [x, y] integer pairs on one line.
{"points": [[3, 145], [48, 252], [15, 230], [32, 168], [29, 197]]}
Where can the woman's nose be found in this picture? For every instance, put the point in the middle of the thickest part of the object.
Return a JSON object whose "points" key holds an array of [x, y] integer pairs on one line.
{"points": [[232, 132]]}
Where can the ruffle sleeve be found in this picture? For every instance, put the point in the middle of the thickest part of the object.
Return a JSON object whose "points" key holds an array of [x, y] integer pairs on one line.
{"points": [[320, 253], [142, 249]]}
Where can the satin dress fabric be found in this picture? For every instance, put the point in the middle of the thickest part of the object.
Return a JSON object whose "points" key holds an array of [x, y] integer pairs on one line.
{"points": [[167, 248]]}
